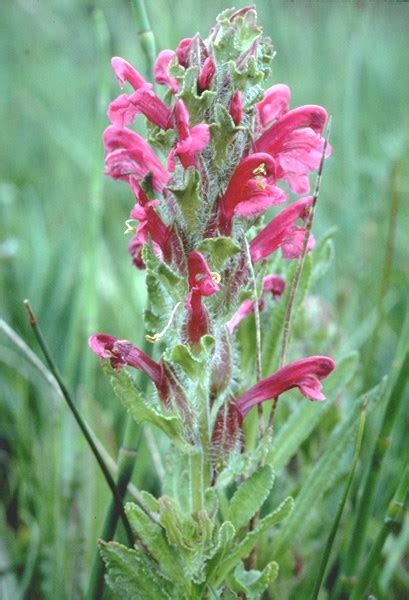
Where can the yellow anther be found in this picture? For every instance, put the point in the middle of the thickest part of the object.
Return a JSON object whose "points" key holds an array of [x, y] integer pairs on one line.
{"points": [[130, 228], [260, 170], [215, 277], [157, 336], [153, 338]]}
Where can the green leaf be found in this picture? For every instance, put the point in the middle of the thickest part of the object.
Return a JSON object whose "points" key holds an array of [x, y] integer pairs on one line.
{"points": [[153, 537], [250, 496], [142, 411], [192, 365], [223, 132], [196, 105], [180, 528], [253, 583], [189, 198], [132, 575], [219, 250], [243, 549]]}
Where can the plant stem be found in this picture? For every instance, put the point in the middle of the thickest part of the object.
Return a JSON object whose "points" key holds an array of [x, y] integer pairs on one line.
{"points": [[196, 480], [392, 520], [145, 35], [105, 471]]}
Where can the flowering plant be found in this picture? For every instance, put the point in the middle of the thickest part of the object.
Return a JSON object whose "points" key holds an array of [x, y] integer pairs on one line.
{"points": [[220, 153]]}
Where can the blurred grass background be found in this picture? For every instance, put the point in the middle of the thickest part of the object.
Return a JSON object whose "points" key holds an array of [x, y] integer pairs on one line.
{"points": [[62, 244]]}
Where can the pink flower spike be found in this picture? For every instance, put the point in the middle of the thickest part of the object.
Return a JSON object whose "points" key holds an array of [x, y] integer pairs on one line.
{"points": [[126, 72], [280, 232], [130, 157], [121, 353], [250, 191], [182, 51], [161, 67], [191, 141], [206, 74], [236, 107], [306, 374], [274, 104]]}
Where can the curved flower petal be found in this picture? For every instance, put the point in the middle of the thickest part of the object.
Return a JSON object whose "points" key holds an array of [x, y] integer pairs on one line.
{"points": [[306, 374], [182, 51], [274, 104], [126, 72], [129, 155], [161, 70], [206, 74], [236, 107], [280, 230]]}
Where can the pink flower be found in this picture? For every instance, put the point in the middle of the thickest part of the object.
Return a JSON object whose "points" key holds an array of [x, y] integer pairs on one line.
{"points": [[250, 191], [271, 283], [121, 353], [274, 284], [201, 283], [161, 70], [182, 51], [130, 157], [150, 228], [206, 74], [236, 107], [295, 142], [191, 140], [274, 104], [282, 232], [306, 374], [122, 110], [126, 72]]}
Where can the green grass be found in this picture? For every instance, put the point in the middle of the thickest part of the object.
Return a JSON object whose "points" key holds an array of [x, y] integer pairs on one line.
{"points": [[62, 246]]}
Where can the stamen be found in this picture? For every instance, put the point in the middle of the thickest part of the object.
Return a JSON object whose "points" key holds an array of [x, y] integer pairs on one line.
{"points": [[157, 336], [260, 183], [215, 276], [130, 228], [260, 170]]}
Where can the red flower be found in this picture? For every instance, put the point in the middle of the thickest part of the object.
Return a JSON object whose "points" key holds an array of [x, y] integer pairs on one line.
{"points": [[201, 283], [250, 191], [191, 140], [306, 374], [294, 141], [282, 232], [161, 70], [150, 228], [122, 110], [182, 51], [206, 74], [121, 353], [130, 157], [274, 104]]}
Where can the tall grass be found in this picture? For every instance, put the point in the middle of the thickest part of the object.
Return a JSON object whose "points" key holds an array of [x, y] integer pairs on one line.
{"points": [[62, 246]]}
